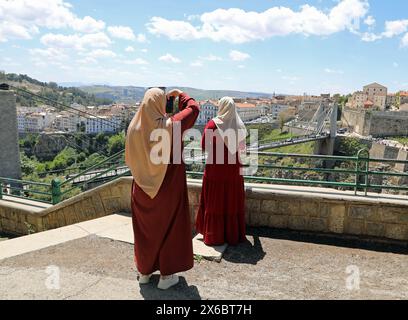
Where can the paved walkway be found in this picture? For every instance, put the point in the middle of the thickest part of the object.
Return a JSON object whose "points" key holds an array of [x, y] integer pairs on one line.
{"points": [[92, 263]]}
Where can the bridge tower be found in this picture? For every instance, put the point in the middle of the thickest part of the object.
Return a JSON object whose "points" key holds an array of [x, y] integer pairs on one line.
{"points": [[10, 166], [326, 146]]}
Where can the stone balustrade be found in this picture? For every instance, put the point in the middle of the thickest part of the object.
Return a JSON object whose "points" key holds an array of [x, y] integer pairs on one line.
{"points": [[320, 210]]}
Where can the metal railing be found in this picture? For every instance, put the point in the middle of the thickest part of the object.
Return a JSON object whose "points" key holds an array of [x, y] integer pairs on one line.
{"points": [[109, 169], [357, 173], [28, 190]]}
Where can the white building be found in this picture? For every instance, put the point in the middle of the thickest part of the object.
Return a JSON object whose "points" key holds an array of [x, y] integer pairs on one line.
{"points": [[34, 122], [95, 125], [249, 111], [208, 111], [67, 122], [276, 109]]}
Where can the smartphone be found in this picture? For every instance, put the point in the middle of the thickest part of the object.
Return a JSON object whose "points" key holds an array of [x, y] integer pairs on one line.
{"points": [[170, 105]]}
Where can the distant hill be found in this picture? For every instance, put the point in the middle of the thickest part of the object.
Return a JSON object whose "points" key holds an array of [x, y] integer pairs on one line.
{"points": [[124, 94], [51, 90], [134, 94], [76, 92]]}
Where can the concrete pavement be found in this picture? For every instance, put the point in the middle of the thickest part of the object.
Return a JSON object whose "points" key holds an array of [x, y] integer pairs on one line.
{"points": [[92, 264]]}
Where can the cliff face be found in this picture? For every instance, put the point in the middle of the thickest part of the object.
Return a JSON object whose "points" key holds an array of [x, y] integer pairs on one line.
{"points": [[49, 146]]}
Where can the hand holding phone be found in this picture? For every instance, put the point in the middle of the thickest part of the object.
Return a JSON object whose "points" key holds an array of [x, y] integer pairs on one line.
{"points": [[174, 93], [170, 105]]}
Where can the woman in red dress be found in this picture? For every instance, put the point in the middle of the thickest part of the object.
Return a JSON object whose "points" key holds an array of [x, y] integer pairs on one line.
{"points": [[160, 208], [221, 216]]}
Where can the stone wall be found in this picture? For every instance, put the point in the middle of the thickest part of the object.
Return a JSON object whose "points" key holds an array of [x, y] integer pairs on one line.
{"points": [[376, 123], [108, 199], [318, 214], [357, 121], [388, 124], [9, 153], [276, 207], [381, 151]]}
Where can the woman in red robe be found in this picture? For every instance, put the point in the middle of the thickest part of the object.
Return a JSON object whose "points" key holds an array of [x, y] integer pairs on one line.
{"points": [[221, 216], [160, 207]]}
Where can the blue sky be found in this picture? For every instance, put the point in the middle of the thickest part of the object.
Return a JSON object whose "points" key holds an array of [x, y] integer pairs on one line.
{"points": [[296, 47]]}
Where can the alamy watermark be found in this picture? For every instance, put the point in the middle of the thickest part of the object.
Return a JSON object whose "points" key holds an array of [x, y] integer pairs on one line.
{"points": [[52, 282], [183, 147], [353, 278]]}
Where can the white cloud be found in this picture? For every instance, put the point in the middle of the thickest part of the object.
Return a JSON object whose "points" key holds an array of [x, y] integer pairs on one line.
{"points": [[369, 21], [197, 63], [12, 30], [101, 53], [328, 70], [130, 49], [87, 25], [169, 58], [239, 26], [175, 30], [241, 66], [126, 33], [370, 37], [141, 38], [395, 65], [392, 29], [290, 78], [144, 50], [87, 61], [75, 41], [211, 57], [404, 41], [49, 53], [137, 61], [122, 32], [23, 18], [238, 56]]}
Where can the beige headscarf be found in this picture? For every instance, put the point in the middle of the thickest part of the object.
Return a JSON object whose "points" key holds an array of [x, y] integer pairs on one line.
{"points": [[228, 121], [142, 162]]}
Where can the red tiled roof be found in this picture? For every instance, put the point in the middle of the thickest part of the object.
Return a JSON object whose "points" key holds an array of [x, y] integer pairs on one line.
{"points": [[245, 105]]}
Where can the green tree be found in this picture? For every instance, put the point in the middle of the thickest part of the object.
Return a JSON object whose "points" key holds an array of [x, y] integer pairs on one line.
{"points": [[64, 159], [116, 143], [28, 166], [283, 118], [350, 146], [92, 159], [101, 139]]}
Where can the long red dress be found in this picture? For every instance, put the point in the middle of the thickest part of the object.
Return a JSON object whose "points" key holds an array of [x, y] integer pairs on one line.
{"points": [[221, 216], [162, 226]]}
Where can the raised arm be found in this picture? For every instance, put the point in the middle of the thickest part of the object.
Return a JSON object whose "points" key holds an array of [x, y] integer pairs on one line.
{"points": [[189, 111]]}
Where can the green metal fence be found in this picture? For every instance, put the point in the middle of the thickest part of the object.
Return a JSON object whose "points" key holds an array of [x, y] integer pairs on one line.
{"points": [[358, 173], [29, 190]]}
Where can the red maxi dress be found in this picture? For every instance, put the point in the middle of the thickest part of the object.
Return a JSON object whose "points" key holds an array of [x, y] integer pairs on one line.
{"points": [[162, 226], [221, 216]]}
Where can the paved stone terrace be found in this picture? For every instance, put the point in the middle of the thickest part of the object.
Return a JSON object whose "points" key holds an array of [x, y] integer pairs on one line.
{"points": [[270, 265]]}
